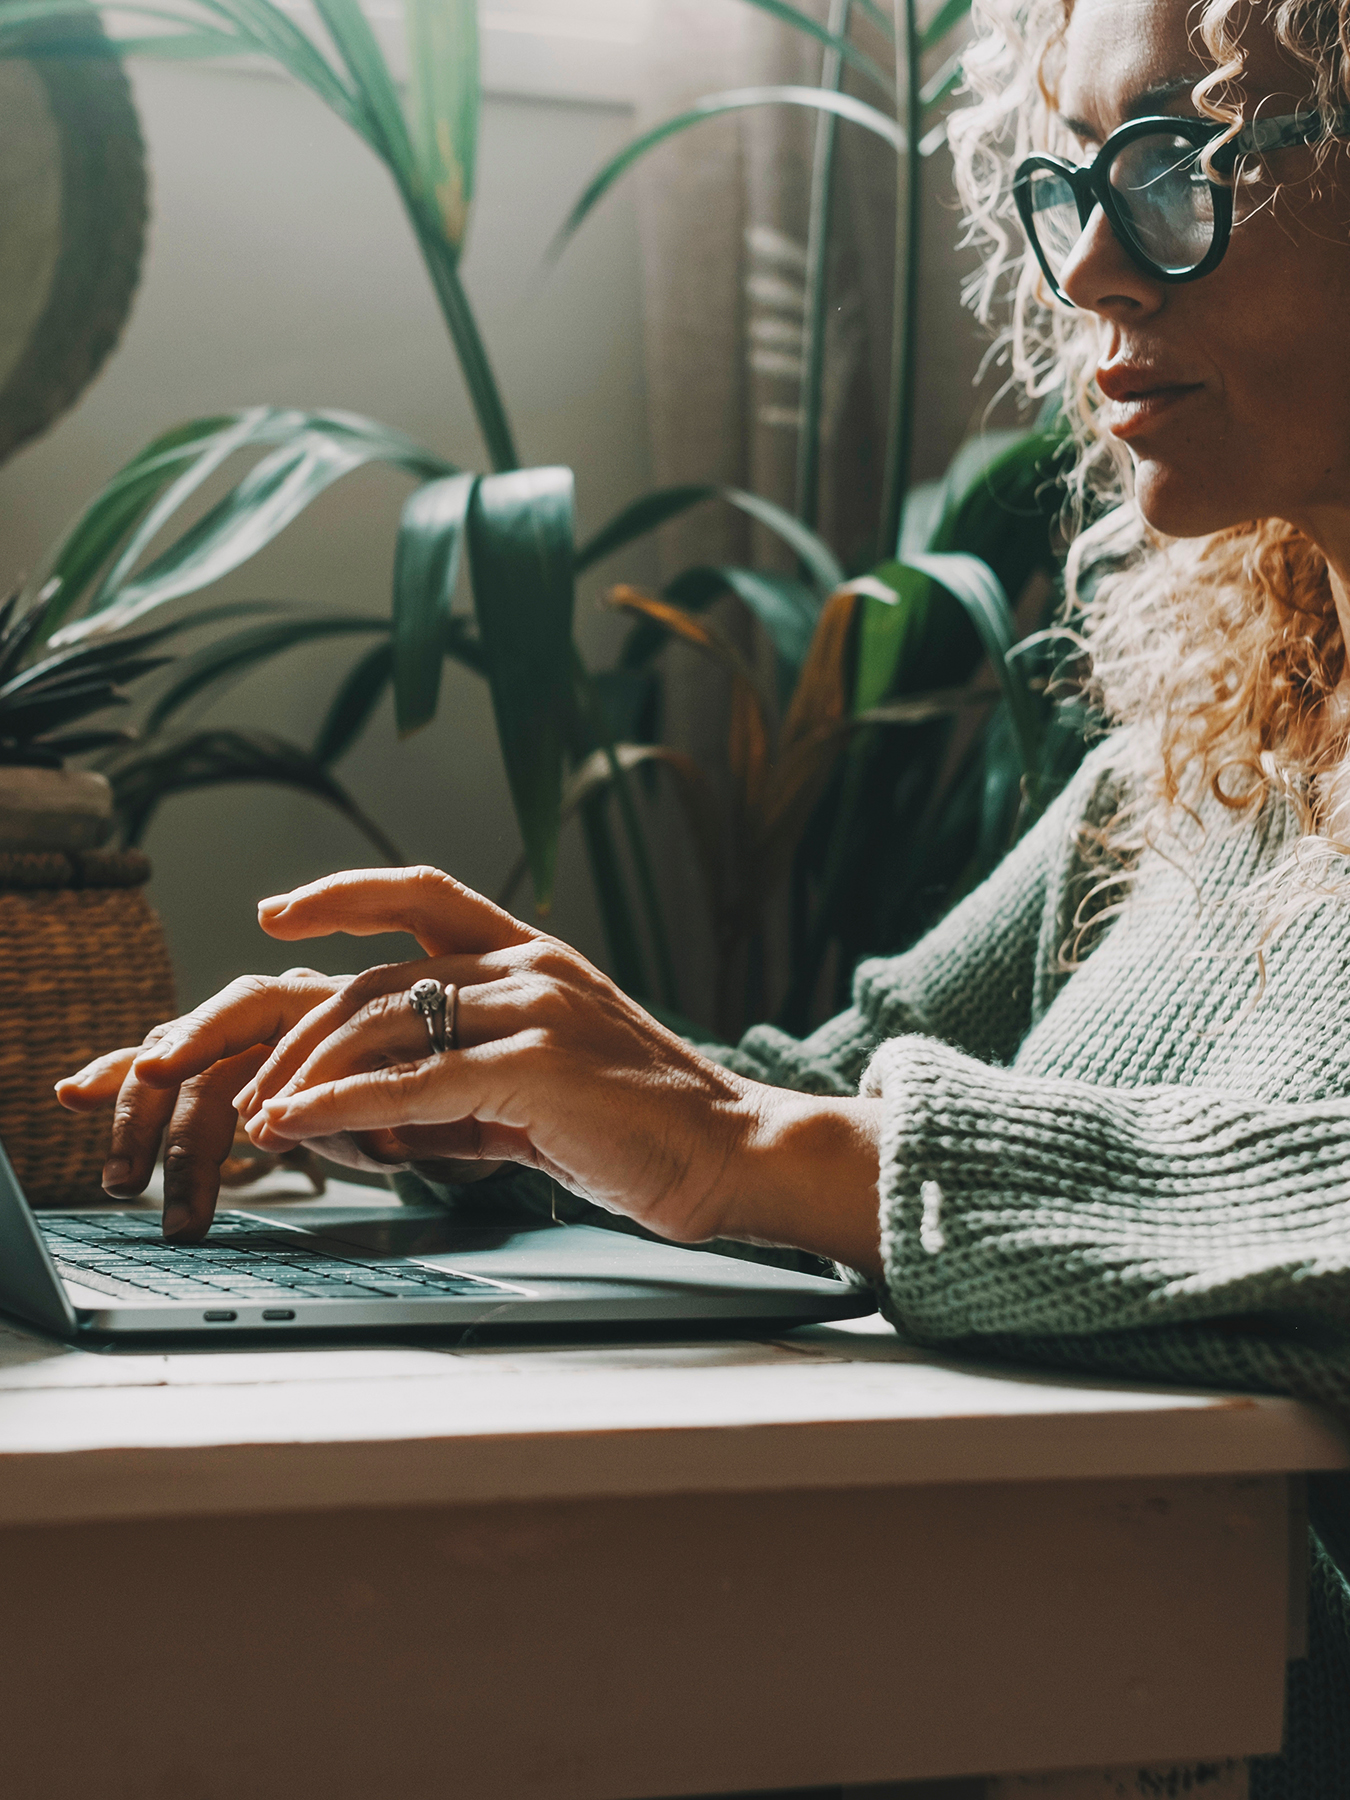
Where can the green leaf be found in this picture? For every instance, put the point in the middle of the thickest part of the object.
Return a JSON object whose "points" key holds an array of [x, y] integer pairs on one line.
{"points": [[1003, 497], [443, 97], [16, 15], [656, 508], [166, 45], [980, 592], [996, 502], [880, 17], [947, 17], [442, 262], [114, 511], [321, 450], [520, 553], [233, 656], [259, 27], [377, 96], [30, 718], [354, 702], [944, 82], [787, 609], [885, 630], [297, 53], [258, 425], [216, 758], [80, 743], [857, 112], [800, 21], [426, 568], [37, 686]]}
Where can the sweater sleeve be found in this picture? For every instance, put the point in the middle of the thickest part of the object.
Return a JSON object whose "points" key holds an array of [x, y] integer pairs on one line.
{"points": [[979, 980], [1020, 1208]]}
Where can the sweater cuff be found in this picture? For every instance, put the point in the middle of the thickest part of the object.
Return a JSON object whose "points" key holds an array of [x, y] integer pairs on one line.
{"points": [[1015, 1204]]}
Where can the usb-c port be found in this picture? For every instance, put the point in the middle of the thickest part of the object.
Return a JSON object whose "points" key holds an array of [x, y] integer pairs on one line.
{"points": [[219, 1318], [278, 1312]]}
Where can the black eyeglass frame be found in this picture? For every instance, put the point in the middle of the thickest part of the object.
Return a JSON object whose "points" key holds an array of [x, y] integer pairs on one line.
{"points": [[1090, 182]]}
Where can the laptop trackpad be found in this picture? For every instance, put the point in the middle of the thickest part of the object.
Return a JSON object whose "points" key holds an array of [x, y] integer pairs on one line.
{"points": [[537, 1250]]}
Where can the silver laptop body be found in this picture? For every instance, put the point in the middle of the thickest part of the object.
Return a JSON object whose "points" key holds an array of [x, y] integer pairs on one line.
{"points": [[111, 1274]]}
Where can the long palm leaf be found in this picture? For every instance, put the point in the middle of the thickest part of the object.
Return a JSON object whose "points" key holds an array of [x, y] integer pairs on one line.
{"points": [[230, 657], [443, 98], [352, 705], [662, 505], [712, 106], [146, 778], [835, 41], [426, 568], [520, 537], [315, 450]]}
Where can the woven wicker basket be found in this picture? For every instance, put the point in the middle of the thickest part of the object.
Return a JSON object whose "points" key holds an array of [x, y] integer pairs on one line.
{"points": [[83, 969]]}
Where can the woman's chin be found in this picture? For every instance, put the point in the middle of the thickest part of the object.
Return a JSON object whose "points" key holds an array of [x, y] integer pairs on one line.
{"points": [[1182, 504]]}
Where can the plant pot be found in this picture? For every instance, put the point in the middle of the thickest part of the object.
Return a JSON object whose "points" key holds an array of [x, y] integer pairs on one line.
{"points": [[83, 969]]}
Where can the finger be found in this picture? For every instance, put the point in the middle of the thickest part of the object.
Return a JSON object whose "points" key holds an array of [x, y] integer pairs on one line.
{"points": [[437, 1090], [386, 1030], [303, 1039], [256, 1009], [139, 1118], [98, 1083], [440, 912], [200, 1137]]}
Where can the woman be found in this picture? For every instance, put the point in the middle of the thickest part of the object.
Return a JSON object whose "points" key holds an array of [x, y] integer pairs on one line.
{"points": [[1135, 1157]]}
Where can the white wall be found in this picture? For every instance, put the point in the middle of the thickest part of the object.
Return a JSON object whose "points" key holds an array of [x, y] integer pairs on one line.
{"points": [[281, 270]]}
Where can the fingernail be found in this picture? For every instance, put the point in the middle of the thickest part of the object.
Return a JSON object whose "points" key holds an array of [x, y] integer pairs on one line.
{"points": [[116, 1170], [177, 1217]]}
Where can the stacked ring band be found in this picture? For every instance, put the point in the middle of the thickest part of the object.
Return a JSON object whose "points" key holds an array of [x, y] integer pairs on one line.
{"points": [[439, 1008]]}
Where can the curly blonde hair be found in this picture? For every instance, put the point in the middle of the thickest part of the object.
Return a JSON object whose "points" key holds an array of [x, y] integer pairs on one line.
{"points": [[1225, 651]]}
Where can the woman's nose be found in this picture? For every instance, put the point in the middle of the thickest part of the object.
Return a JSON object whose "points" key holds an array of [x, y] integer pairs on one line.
{"points": [[1100, 277]]}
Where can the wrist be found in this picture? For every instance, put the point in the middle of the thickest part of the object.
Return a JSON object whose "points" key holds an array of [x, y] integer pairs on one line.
{"points": [[806, 1177]]}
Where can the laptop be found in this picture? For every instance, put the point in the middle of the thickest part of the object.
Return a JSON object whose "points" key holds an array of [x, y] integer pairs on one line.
{"points": [[110, 1274]]}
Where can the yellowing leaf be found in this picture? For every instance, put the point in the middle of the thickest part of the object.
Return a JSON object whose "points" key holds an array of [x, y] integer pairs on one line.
{"points": [[819, 698], [443, 98]]}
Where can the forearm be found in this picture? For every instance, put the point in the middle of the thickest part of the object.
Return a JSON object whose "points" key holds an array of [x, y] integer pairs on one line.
{"points": [[806, 1178]]}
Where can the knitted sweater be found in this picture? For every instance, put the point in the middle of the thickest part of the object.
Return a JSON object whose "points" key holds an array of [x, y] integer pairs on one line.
{"points": [[1140, 1166]]}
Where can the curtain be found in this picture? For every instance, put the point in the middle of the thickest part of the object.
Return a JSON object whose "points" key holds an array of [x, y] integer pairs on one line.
{"points": [[723, 217]]}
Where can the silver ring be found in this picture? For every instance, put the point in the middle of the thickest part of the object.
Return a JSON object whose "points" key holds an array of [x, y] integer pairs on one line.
{"points": [[427, 998]]}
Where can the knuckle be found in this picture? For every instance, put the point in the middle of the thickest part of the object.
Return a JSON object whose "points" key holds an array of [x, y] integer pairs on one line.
{"points": [[411, 1078], [369, 984], [243, 987], [178, 1156], [533, 1042], [429, 881], [386, 1006], [553, 960]]}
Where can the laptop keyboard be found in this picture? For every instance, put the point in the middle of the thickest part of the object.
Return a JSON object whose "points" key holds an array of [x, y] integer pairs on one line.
{"points": [[125, 1255]]}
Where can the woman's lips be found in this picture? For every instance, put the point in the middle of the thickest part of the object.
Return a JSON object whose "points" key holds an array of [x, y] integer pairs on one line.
{"points": [[1132, 415]]}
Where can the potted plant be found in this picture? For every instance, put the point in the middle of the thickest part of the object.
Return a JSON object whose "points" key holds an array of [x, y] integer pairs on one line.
{"points": [[940, 599], [83, 962]]}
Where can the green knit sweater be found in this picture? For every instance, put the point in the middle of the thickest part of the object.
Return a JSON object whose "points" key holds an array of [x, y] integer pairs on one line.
{"points": [[1140, 1166]]}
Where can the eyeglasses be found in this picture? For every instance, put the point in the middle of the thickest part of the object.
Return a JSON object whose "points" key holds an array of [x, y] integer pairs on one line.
{"points": [[1148, 178]]}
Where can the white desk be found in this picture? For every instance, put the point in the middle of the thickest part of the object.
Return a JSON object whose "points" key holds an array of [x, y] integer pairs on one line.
{"points": [[608, 1573]]}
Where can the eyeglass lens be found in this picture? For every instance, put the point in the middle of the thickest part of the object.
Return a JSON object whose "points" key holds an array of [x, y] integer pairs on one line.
{"points": [[1162, 200]]}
